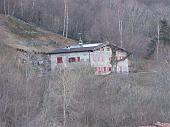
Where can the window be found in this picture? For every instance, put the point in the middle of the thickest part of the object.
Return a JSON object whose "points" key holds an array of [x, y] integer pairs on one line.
{"points": [[102, 49], [110, 69], [73, 59], [104, 69], [108, 49], [59, 60], [78, 59]]}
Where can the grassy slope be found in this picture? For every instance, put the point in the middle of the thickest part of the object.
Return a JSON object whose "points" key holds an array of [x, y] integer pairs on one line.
{"points": [[13, 30]]}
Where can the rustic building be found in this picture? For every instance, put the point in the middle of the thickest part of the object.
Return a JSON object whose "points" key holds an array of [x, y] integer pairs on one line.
{"points": [[103, 57], [158, 124]]}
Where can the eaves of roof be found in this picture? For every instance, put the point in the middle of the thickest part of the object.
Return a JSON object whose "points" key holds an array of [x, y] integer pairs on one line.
{"points": [[87, 49]]}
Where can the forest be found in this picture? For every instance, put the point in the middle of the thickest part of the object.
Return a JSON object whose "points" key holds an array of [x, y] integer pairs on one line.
{"points": [[134, 22]]}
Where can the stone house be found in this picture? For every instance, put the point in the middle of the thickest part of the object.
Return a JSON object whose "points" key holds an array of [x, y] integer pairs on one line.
{"points": [[158, 124], [103, 57]]}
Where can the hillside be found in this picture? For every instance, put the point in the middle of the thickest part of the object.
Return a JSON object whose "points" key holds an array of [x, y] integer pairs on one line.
{"points": [[32, 97], [21, 35], [116, 100], [97, 20]]}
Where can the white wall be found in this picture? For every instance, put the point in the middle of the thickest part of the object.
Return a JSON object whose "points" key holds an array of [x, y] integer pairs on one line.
{"points": [[84, 59], [96, 59], [101, 59], [122, 66]]}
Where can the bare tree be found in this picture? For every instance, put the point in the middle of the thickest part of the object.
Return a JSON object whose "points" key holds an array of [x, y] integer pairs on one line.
{"points": [[65, 17], [157, 46], [5, 7], [22, 10], [67, 23]]}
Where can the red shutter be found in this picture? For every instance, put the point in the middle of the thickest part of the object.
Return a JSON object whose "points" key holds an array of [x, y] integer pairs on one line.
{"points": [[96, 69], [104, 69], [78, 59], [99, 70], [73, 59], [110, 69], [59, 60]]}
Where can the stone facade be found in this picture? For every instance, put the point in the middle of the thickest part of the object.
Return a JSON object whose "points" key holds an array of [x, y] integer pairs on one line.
{"points": [[40, 62], [102, 60], [123, 62], [70, 60]]}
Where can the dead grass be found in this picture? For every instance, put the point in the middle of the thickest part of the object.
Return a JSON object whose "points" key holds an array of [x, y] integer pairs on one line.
{"points": [[22, 28], [13, 31]]}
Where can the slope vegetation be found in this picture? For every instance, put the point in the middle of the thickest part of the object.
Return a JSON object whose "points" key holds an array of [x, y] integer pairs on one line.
{"points": [[21, 35]]}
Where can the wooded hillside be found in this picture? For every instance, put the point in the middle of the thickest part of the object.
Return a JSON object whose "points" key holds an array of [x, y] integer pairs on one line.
{"points": [[78, 98], [97, 20]]}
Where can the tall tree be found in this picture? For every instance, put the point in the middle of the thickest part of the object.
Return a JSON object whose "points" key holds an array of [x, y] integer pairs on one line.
{"points": [[164, 32], [65, 17], [5, 7]]}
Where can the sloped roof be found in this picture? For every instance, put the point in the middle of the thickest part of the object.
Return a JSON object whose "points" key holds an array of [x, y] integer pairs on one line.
{"points": [[85, 48], [76, 48], [158, 124]]}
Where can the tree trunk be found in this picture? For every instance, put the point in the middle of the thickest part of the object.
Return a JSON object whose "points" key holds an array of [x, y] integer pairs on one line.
{"points": [[67, 24], [121, 33], [120, 29], [8, 7], [13, 11], [64, 99], [5, 7], [157, 46], [22, 11], [65, 11], [33, 4]]}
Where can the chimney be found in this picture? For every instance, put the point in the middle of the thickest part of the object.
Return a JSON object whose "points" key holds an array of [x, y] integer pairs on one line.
{"points": [[80, 40]]}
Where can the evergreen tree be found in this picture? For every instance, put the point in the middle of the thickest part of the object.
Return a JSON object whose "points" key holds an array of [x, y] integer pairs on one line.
{"points": [[164, 38], [151, 48], [164, 32]]}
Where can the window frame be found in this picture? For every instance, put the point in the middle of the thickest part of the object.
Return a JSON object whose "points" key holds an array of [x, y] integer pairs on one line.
{"points": [[72, 60], [59, 60], [78, 59]]}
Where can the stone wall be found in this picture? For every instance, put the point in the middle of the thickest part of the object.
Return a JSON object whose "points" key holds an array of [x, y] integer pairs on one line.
{"points": [[40, 62]]}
